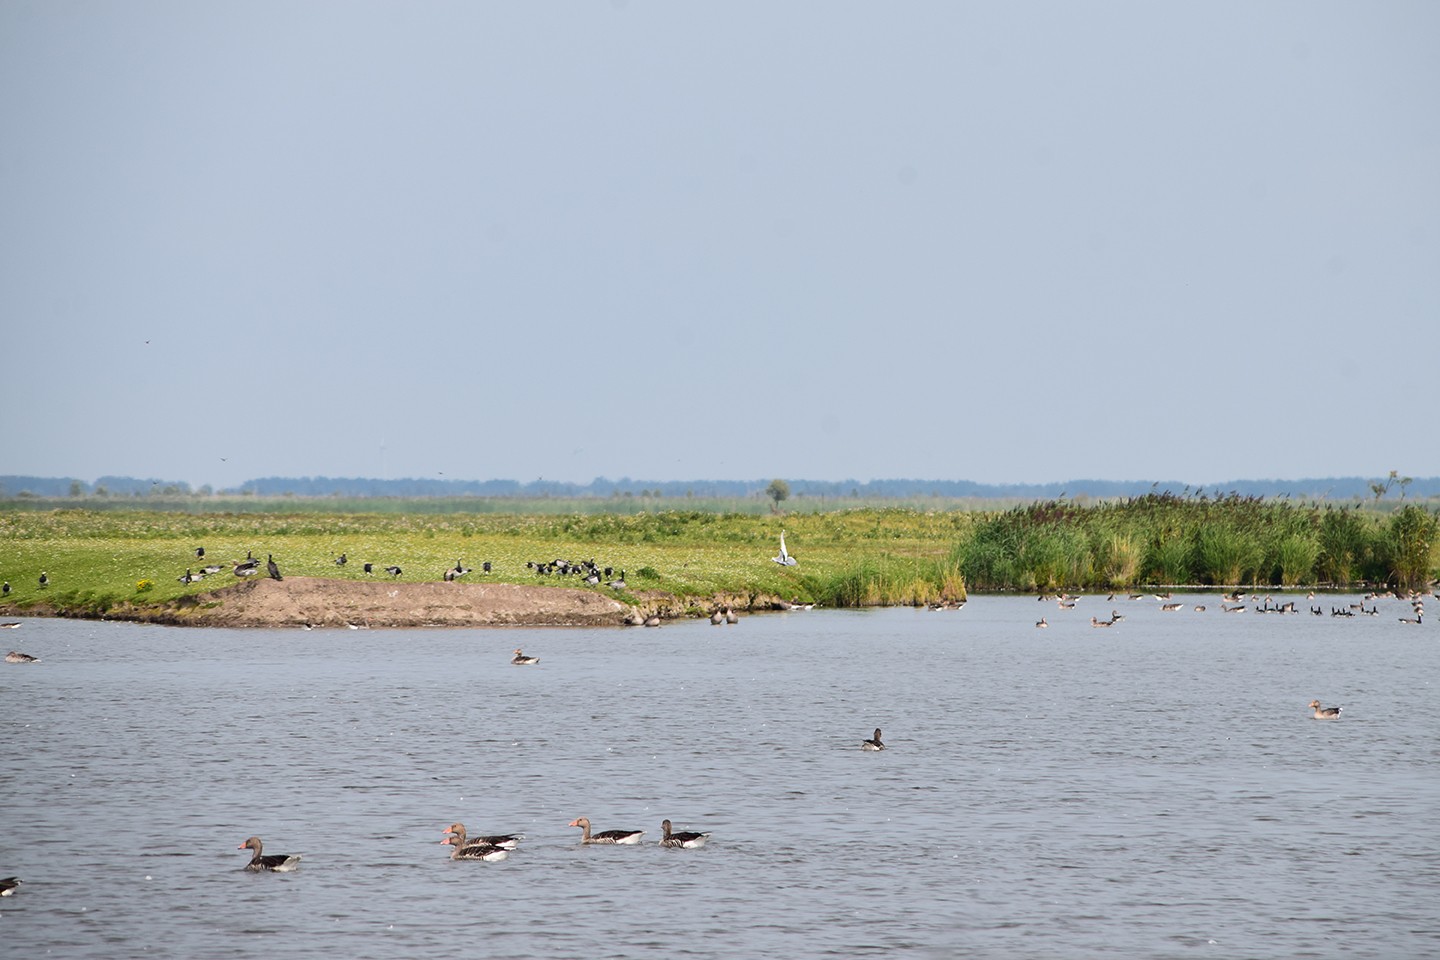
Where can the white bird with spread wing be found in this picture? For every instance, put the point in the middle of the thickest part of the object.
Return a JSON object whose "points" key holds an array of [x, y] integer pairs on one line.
{"points": [[785, 560]]}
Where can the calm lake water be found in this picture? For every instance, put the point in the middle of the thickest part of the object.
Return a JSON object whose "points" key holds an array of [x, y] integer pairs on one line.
{"points": [[1157, 789]]}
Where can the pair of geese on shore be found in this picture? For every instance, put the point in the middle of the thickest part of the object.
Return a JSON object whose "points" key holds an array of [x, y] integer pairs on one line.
{"points": [[488, 848]]}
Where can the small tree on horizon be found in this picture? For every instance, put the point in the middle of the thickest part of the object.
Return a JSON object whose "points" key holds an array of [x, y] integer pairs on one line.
{"points": [[777, 491]]}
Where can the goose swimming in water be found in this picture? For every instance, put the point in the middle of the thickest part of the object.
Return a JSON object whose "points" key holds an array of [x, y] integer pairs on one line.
{"points": [[874, 744], [784, 559], [1324, 713], [689, 841], [275, 863], [15, 656], [520, 658], [607, 836], [474, 851], [8, 885], [506, 841], [1041, 624]]}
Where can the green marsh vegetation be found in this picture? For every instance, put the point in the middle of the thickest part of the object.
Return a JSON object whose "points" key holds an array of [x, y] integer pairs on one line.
{"points": [[1165, 539], [867, 556]]}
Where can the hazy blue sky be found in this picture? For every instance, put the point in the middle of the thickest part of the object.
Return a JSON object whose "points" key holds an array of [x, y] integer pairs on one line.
{"points": [[989, 241]]}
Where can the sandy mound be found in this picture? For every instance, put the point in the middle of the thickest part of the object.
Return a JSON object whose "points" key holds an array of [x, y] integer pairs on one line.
{"points": [[309, 600]]}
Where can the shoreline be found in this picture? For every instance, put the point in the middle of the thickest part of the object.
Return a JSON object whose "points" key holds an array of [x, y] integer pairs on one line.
{"points": [[323, 602]]}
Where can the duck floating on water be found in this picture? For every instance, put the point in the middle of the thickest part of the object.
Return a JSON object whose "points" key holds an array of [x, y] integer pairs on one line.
{"points": [[521, 659], [873, 744], [1324, 713]]}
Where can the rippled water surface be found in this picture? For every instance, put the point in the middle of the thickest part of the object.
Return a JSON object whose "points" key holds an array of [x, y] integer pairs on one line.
{"points": [[1155, 789]]}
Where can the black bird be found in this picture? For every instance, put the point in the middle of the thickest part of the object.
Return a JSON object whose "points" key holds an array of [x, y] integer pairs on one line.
{"points": [[341, 560], [199, 552], [8, 885], [369, 567], [270, 565], [485, 567], [393, 571], [6, 589], [44, 579]]}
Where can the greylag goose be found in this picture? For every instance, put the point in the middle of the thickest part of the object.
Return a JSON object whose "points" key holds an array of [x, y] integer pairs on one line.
{"points": [[15, 656], [1324, 713], [506, 841], [520, 658], [689, 841], [874, 744], [607, 836], [474, 851], [8, 885], [276, 862]]}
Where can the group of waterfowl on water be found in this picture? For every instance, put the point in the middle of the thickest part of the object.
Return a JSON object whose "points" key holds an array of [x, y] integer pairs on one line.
{"points": [[491, 848], [1232, 603], [496, 847]]}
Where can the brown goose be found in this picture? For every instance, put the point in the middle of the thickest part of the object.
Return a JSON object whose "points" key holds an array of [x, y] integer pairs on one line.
{"points": [[520, 658], [15, 656], [607, 836], [875, 744], [474, 851], [1324, 713], [508, 841], [276, 863], [689, 841]]}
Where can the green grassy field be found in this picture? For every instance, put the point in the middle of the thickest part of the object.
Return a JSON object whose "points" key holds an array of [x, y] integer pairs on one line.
{"points": [[96, 559]]}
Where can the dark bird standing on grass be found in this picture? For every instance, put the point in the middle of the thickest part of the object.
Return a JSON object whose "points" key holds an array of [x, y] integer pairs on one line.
{"points": [[393, 571], [369, 568], [341, 560], [6, 589], [199, 553], [270, 565], [44, 579]]}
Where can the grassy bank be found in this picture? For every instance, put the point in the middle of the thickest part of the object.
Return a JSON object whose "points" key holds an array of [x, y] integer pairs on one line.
{"points": [[97, 559]]}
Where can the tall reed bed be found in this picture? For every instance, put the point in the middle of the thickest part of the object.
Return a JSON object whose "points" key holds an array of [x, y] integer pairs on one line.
{"points": [[1198, 540]]}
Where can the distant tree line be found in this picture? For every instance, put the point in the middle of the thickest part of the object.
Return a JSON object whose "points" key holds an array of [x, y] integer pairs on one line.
{"points": [[1328, 488]]}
